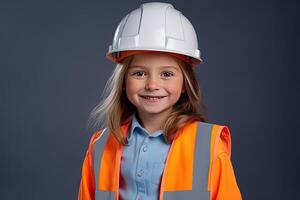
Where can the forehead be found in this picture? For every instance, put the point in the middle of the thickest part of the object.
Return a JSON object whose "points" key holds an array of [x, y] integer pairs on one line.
{"points": [[154, 60]]}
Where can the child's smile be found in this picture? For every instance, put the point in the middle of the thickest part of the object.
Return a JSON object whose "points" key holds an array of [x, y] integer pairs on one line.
{"points": [[154, 83], [151, 99]]}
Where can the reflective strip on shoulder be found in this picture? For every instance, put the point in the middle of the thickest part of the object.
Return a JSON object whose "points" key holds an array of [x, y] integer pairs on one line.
{"points": [[201, 167], [98, 154], [98, 150]]}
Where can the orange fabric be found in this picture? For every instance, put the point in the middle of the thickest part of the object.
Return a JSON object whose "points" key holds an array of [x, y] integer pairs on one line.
{"points": [[224, 186], [110, 164], [220, 136], [222, 182], [107, 173], [87, 184], [181, 167]]}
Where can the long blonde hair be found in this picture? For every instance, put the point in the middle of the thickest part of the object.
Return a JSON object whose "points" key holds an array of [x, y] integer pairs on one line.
{"points": [[115, 109]]}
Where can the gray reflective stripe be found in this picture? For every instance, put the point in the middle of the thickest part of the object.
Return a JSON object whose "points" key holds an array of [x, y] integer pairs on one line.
{"points": [[98, 150], [202, 156], [200, 168], [104, 195]]}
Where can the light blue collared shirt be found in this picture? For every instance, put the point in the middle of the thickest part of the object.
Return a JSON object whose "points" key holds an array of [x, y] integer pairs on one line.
{"points": [[142, 163]]}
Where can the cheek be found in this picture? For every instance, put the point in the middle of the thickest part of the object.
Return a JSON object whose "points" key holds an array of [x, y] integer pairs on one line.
{"points": [[131, 88], [176, 88], [177, 92]]}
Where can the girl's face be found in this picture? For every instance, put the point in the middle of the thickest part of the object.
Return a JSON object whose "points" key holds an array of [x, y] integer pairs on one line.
{"points": [[153, 83]]}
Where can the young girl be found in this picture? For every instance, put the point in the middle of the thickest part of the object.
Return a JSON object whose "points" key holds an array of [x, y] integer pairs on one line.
{"points": [[155, 143]]}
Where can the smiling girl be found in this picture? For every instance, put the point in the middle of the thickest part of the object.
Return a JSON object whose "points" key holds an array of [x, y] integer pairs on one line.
{"points": [[154, 142]]}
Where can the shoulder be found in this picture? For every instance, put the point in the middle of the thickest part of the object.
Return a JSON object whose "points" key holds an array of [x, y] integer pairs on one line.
{"points": [[220, 137], [95, 137]]}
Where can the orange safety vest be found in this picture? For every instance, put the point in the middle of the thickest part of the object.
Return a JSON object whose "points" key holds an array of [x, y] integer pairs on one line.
{"points": [[192, 168]]}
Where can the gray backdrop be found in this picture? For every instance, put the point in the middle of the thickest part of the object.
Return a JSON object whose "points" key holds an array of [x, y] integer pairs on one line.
{"points": [[53, 71]]}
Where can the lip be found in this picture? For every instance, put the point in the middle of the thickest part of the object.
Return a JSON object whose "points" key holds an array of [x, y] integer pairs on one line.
{"points": [[151, 98]]}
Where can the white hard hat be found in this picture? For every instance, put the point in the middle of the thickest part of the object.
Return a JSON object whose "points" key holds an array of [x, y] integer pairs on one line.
{"points": [[155, 27]]}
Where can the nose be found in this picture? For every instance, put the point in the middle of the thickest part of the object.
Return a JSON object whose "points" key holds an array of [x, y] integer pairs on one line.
{"points": [[152, 83]]}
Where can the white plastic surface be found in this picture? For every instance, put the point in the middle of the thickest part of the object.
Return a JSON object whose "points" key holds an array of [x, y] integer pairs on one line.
{"points": [[158, 27]]}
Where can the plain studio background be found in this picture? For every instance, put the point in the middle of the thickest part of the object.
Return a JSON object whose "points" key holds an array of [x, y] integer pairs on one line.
{"points": [[53, 70]]}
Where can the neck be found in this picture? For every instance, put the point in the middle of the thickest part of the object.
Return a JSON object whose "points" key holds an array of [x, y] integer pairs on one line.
{"points": [[153, 122]]}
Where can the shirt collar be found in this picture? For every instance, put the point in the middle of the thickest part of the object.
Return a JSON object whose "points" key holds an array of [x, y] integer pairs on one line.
{"points": [[136, 127]]}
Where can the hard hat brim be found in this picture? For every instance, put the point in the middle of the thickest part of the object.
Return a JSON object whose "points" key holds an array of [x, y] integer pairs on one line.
{"points": [[121, 55]]}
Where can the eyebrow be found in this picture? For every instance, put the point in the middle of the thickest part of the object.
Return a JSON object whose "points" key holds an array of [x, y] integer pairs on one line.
{"points": [[161, 67]]}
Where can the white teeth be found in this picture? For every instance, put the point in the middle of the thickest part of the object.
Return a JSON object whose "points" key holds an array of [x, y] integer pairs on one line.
{"points": [[148, 97]]}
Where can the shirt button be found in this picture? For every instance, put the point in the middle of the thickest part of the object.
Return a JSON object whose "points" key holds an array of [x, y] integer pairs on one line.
{"points": [[145, 148], [140, 173]]}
